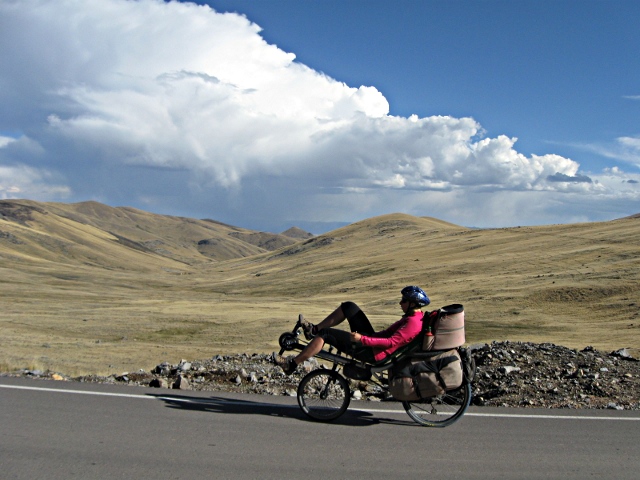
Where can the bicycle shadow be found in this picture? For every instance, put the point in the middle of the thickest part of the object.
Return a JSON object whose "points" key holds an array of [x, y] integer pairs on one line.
{"points": [[234, 406]]}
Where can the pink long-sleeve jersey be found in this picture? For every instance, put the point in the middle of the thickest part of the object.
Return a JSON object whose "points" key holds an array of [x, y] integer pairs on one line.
{"points": [[387, 341]]}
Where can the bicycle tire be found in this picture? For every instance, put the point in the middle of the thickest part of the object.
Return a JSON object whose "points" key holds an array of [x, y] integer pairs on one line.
{"points": [[442, 410], [324, 395]]}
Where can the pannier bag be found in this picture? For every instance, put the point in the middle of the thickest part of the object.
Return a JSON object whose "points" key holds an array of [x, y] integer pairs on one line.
{"points": [[445, 328], [419, 378]]}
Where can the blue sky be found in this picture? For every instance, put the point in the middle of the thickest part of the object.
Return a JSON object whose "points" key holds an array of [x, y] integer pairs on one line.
{"points": [[321, 113], [555, 74]]}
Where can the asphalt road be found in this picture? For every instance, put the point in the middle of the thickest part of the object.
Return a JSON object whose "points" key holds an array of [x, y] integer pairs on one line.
{"points": [[59, 430]]}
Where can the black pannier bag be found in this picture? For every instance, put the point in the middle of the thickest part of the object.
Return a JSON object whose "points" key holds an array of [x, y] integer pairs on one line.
{"points": [[426, 375], [468, 364]]}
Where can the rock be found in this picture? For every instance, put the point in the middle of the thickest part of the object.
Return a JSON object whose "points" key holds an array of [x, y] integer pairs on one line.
{"points": [[181, 383], [508, 369], [55, 376], [163, 369], [307, 366], [159, 383], [622, 353]]}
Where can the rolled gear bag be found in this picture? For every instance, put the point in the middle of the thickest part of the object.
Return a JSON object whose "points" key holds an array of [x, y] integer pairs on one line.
{"points": [[419, 378], [445, 329]]}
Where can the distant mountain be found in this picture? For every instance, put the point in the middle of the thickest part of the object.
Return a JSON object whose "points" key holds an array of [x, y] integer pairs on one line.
{"points": [[297, 233]]}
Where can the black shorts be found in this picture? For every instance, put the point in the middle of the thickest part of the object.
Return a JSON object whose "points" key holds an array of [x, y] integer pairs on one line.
{"points": [[341, 339]]}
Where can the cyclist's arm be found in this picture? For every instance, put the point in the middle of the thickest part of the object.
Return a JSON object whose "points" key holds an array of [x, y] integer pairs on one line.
{"points": [[401, 336]]}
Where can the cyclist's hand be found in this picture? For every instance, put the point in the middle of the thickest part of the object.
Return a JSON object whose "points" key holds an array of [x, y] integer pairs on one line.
{"points": [[355, 337]]}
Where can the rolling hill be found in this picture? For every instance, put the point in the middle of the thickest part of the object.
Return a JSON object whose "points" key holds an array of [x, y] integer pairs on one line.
{"points": [[91, 233]]}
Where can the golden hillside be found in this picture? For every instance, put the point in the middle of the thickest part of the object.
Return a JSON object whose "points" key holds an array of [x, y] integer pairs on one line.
{"points": [[89, 288], [94, 234]]}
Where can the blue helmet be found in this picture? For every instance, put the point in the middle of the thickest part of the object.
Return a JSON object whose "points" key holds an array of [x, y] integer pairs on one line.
{"points": [[416, 295]]}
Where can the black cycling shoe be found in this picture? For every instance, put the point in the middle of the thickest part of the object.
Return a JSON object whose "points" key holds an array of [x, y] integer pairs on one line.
{"points": [[287, 364]]}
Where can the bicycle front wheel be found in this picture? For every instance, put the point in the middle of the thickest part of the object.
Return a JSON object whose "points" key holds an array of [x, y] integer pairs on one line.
{"points": [[323, 395], [442, 410]]}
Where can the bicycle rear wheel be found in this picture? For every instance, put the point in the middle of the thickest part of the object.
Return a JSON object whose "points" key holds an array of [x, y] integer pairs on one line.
{"points": [[323, 395], [442, 410]]}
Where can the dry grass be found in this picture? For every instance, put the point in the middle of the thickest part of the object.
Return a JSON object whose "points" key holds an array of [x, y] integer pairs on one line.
{"points": [[79, 295]]}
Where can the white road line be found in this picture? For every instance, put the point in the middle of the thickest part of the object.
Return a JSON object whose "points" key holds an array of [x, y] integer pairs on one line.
{"points": [[521, 415], [272, 405], [561, 417], [78, 392]]}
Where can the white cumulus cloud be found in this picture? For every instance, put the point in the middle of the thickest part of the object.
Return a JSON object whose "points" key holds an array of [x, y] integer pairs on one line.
{"points": [[171, 105]]}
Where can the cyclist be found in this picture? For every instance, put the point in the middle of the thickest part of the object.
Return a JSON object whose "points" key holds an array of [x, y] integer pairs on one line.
{"points": [[362, 342]]}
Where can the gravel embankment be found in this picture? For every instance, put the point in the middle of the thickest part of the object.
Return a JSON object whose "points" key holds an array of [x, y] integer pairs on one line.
{"points": [[511, 374]]}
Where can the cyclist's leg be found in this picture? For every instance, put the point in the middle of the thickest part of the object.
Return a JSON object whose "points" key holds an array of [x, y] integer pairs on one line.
{"points": [[310, 350], [334, 318], [340, 339], [358, 321]]}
